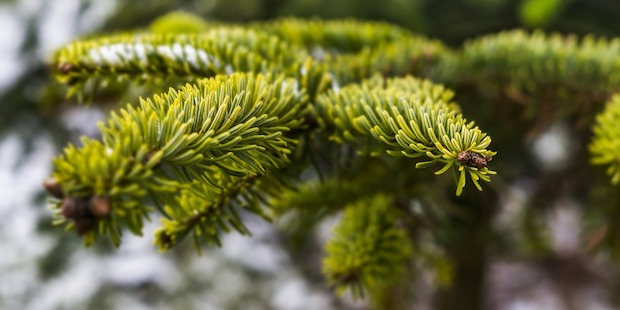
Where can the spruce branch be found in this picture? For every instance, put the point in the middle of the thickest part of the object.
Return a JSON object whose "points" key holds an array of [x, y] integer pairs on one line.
{"points": [[368, 250], [411, 117], [605, 145], [177, 141]]}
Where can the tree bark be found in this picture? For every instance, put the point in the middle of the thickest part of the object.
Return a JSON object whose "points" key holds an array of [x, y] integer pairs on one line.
{"points": [[467, 245]]}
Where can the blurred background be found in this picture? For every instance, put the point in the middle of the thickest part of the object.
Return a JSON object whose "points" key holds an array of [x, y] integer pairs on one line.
{"points": [[41, 267]]}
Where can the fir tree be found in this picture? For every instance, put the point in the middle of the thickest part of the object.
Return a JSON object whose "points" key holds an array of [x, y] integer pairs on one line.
{"points": [[239, 116]]}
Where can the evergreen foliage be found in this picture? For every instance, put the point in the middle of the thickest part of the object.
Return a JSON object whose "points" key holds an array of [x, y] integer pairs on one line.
{"points": [[413, 118], [537, 63], [265, 105], [164, 57], [180, 22], [605, 146], [216, 133], [367, 250]]}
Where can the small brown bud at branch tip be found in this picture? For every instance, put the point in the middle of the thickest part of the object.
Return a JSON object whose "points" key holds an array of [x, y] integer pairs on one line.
{"points": [[73, 208], [52, 187], [99, 206], [65, 67]]}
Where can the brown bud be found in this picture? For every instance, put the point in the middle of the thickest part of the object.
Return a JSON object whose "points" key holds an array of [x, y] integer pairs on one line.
{"points": [[99, 206], [74, 208], [65, 67], [84, 225], [52, 187]]}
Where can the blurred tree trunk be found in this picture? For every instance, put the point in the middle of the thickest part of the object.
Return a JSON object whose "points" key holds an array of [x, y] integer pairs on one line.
{"points": [[468, 247]]}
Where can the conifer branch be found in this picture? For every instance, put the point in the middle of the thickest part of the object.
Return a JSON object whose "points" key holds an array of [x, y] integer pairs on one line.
{"points": [[412, 117], [147, 57], [201, 152], [605, 146], [355, 50], [205, 211], [181, 140], [368, 250], [535, 62], [323, 37], [181, 22], [412, 55], [340, 52]]}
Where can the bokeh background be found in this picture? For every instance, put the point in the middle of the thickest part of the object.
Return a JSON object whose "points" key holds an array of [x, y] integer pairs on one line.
{"points": [[41, 267]]}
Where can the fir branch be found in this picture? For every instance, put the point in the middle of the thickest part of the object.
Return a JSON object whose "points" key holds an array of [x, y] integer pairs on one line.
{"points": [[334, 36], [411, 118], [342, 52], [537, 62], [313, 76], [233, 125], [299, 209], [110, 173], [181, 22], [146, 57], [605, 145], [204, 211], [368, 251], [355, 50], [414, 55]]}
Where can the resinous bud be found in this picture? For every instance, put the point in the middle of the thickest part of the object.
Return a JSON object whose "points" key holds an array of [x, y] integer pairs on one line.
{"points": [[99, 206], [53, 187]]}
